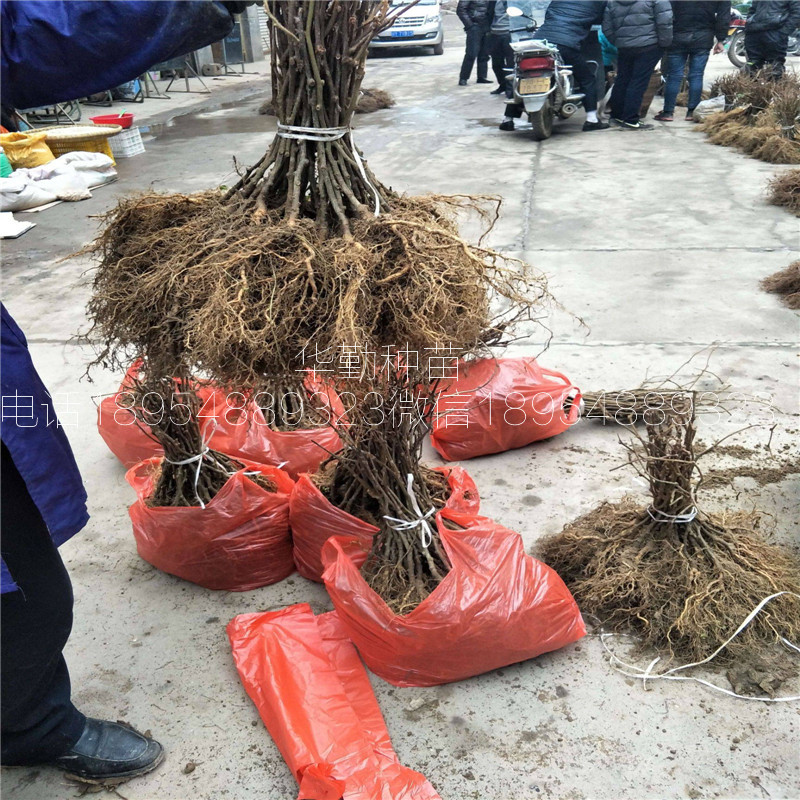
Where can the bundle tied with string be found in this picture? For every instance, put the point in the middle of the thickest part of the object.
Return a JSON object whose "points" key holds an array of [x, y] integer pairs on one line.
{"points": [[190, 473], [679, 578], [308, 257]]}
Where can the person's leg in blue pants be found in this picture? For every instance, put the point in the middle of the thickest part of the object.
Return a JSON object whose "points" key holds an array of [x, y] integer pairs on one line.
{"points": [[642, 67], [697, 67], [676, 61], [625, 60]]}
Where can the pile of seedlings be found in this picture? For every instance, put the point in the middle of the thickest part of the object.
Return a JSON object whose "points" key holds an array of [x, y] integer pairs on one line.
{"points": [[679, 578], [307, 259], [784, 190], [786, 283], [761, 117]]}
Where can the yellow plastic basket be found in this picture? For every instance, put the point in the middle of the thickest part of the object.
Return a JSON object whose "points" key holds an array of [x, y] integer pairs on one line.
{"points": [[86, 138]]}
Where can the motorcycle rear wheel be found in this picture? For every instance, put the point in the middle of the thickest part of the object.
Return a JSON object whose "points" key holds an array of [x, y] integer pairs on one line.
{"points": [[542, 121], [736, 52]]}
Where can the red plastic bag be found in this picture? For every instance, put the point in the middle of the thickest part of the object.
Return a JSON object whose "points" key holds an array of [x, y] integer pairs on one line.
{"points": [[495, 607], [497, 405], [236, 427], [117, 425], [313, 519], [238, 542], [315, 698]]}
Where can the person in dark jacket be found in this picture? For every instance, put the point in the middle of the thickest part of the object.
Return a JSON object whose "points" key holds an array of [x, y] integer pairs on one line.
{"points": [[770, 23], [640, 30], [695, 27], [566, 24], [499, 44], [46, 48], [474, 16]]}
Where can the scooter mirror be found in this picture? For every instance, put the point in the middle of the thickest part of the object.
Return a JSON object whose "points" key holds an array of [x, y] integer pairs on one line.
{"points": [[513, 11]]}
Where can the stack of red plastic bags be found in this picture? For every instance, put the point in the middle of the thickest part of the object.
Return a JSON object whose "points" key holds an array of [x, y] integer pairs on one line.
{"points": [[241, 539], [496, 606]]}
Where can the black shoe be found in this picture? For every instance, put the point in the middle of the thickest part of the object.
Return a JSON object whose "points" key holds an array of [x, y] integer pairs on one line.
{"points": [[499, 90], [462, 82], [637, 126], [616, 121], [507, 125], [596, 126], [483, 80], [109, 752]]}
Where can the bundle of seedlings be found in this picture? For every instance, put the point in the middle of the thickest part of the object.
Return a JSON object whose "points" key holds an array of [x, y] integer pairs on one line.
{"points": [[679, 578], [309, 261], [761, 116], [378, 477], [368, 101], [190, 473], [785, 282], [784, 190], [632, 406], [374, 100]]}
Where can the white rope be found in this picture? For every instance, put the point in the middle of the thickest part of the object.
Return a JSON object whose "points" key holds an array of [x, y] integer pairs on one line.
{"points": [[357, 157], [681, 519], [648, 675], [198, 458], [331, 135], [421, 521], [311, 134]]}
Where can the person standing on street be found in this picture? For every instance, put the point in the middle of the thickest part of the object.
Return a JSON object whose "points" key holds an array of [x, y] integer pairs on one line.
{"points": [[51, 53], [770, 23], [499, 38], [640, 30], [567, 23], [474, 15], [695, 26]]}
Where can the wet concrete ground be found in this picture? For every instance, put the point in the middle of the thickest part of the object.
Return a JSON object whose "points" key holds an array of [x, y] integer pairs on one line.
{"points": [[657, 241]]}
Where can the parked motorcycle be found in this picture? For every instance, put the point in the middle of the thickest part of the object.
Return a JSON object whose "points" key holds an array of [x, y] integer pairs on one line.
{"points": [[736, 52], [542, 82]]}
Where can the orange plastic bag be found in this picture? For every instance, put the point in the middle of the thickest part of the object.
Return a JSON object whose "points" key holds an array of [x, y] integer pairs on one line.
{"points": [[495, 607], [315, 698], [238, 542], [313, 519], [497, 405], [237, 428]]}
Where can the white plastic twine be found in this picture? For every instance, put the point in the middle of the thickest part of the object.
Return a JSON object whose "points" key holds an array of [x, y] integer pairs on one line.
{"points": [[648, 675], [311, 134], [680, 519], [198, 459], [330, 135], [421, 521]]}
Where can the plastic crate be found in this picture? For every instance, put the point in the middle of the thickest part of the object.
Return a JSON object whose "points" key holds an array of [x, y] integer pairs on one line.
{"points": [[127, 143]]}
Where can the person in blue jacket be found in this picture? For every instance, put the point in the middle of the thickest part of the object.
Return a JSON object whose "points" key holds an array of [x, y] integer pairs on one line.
{"points": [[56, 50], [567, 24]]}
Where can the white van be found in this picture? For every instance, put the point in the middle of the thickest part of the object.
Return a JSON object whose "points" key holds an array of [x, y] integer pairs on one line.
{"points": [[420, 26]]}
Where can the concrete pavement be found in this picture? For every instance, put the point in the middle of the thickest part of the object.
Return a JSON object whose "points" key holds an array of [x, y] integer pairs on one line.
{"points": [[657, 240]]}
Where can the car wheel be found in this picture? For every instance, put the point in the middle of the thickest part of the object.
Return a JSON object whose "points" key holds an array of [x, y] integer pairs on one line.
{"points": [[438, 49]]}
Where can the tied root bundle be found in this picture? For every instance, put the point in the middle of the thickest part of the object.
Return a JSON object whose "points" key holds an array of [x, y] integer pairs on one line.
{"points": [[309, 258], [762, 116], [378, 477], [191, 473], [679, 578], [786, 283], [784, 190]]}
